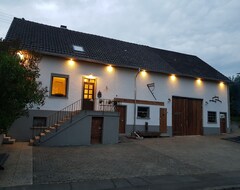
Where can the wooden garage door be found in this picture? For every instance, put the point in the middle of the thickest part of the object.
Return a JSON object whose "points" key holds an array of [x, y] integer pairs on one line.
{"points": [[187, 116]]}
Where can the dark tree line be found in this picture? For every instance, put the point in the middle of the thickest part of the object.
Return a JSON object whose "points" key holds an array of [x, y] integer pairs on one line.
{"points": [[235, 96]]}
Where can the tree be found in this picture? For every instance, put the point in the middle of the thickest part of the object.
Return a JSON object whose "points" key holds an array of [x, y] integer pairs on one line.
{"points": [[235, 96], [19, 88]]}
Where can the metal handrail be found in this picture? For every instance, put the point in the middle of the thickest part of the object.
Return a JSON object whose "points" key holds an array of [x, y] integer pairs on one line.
{"points": [[64, 114], [67, 113]]}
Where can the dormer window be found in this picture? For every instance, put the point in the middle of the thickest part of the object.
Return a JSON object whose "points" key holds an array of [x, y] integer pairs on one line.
{"points": [[78, 48]]}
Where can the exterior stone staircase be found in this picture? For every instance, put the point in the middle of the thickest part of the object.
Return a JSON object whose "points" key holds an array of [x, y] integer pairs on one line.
{"points": [[53, 128], [8, 140], [65, 118]]}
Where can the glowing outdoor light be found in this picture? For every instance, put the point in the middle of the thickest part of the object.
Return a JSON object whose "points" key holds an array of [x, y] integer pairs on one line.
{"points": [[21, 56], [173, 77], [71, 62], [143, 73], [221, 84], [90, 76], [109, 68], [199, 81]]}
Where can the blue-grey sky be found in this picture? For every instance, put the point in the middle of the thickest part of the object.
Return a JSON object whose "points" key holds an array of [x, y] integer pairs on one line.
{"points": [[209, 29]]}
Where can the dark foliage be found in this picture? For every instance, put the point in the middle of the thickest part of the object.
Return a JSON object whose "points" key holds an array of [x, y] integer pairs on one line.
{"points": [[19, 88]]}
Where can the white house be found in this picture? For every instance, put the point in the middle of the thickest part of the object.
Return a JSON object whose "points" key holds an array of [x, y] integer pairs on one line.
{"points": [[169, 92]]}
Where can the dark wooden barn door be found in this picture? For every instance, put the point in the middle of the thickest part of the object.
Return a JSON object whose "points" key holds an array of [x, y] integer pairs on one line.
{"points": [[163, 120], [122, 118], [186, 116], [96, 131]]}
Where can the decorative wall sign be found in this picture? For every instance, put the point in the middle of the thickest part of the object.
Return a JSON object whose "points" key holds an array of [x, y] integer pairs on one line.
{"points": [[151, 88], [215, 99]]}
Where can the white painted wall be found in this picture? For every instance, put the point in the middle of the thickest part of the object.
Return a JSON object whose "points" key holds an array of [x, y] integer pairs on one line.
{"points": [[120, 83]]}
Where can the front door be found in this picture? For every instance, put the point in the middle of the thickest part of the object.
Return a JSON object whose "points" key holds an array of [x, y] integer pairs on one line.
{"points": [[88, 94], [96, 131], [163, 120], [122, 118], [223, 122]]}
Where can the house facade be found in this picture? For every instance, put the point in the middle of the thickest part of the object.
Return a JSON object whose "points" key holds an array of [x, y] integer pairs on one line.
{"points": [[137, 88]]}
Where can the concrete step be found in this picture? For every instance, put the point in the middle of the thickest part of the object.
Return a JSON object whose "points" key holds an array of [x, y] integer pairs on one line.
{"points": [[164, 135], [52, 128], [31, 142], [42, 134], [56, 125], [8, 140], [47, 131]]}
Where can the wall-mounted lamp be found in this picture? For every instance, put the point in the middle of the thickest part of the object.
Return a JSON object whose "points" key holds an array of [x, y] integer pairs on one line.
{"points": [[71, 62], [143, 73], [90, 76], [109, 68], [206, 103], [199, 81], [173, 77], [169, 100], [20, 54]]}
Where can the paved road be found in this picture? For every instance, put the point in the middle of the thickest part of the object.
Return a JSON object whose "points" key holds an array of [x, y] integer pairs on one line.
{"points": [[150, 157], [190, 162]]}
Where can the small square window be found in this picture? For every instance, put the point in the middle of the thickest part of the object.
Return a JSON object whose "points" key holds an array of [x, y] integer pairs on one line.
{"points": [[212, 117], [39, 121], [143, 112], [78, 48], [59, 85]]}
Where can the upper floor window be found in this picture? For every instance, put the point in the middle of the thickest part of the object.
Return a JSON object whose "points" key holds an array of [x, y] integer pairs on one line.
{"points": [[59, 85]]}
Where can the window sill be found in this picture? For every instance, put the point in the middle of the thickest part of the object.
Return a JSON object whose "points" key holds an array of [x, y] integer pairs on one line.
{"points": [[58, 97], [147, 118]]}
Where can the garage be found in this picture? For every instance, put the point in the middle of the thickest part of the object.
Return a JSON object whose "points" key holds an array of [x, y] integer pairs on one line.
{"points": [[187, 116]]}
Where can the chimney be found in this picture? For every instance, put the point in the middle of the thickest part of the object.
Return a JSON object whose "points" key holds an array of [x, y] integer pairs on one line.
{"points": [[63, 26]]}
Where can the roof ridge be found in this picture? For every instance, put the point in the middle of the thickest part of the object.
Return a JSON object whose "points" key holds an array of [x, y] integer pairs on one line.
{"points": [[108, 38]]}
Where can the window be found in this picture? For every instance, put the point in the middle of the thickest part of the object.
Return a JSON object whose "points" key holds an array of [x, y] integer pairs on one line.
{"points": [[59, 85], [78, 48], [143, 112], [39, 121], [212, 117]]}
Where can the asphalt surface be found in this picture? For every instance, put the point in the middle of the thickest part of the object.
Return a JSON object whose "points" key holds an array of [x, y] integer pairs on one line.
{"points": [[189, 162]]}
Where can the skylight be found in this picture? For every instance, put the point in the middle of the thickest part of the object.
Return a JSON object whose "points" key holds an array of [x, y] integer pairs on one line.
{"points": [[78, 48]]}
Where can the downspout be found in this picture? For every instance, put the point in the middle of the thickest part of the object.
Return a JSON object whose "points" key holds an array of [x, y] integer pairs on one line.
{"points": [[135, 100]]}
